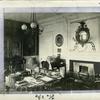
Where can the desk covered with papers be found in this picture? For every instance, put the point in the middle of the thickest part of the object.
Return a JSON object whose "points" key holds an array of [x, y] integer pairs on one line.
{"points": [[39, 83]]}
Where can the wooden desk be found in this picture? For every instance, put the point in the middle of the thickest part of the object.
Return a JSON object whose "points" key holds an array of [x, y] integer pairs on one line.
{"points": [[40, 83]]}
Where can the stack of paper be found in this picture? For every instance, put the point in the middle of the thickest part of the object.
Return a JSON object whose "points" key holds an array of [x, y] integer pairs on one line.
{"points": [[46, 78], [30, 79]]}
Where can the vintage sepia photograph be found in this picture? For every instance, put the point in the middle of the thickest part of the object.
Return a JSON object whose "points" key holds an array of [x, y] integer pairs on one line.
{"points": [[51, 51]]}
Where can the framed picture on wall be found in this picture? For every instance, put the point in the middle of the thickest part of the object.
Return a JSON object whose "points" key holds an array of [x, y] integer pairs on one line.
{"points": [[59, 40]]}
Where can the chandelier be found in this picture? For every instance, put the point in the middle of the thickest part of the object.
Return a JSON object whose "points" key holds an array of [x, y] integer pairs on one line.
{"points": [[33, 24]]}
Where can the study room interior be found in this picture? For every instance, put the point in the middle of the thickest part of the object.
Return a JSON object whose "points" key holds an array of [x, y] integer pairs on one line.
{"points": [[51, 51]]}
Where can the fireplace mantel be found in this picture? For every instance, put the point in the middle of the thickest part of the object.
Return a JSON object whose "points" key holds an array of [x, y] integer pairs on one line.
{"points": [[92, 67]]}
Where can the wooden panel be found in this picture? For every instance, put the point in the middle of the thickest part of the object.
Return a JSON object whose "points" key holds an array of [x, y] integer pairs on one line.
{"points": [[11, 39], [31, 43], [17, 40]]}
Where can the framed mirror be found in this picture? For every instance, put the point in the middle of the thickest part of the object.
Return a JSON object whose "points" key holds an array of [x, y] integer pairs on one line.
{"points": [[59, 40], [82, 33]]}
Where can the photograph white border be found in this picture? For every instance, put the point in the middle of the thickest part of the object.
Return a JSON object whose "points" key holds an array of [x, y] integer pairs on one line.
{"points": [[56, 7]]}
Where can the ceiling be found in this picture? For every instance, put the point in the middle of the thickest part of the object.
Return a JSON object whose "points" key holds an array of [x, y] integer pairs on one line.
{"points": [[24, 14], [27, 17]]}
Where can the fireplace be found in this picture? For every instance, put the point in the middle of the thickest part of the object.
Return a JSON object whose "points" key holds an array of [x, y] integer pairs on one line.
{"points": [[84, 67]]}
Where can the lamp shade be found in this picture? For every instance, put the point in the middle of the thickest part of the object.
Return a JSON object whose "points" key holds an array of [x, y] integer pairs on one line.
{"points": [[24, 27], [33, 25]]}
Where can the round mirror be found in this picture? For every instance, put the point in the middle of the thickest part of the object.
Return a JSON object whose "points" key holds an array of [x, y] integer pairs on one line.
{"points": [[59, 40], [82, 34]]}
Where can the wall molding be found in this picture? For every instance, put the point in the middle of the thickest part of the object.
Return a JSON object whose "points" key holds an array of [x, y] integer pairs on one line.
{"points": [[52, 20], [85, 18]]}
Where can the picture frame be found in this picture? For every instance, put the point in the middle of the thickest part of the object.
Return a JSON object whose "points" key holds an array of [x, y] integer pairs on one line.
{"points": [[59, 40]]}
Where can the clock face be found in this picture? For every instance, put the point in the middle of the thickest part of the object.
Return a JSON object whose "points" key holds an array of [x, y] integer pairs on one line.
{"points": [[59, 40]]}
